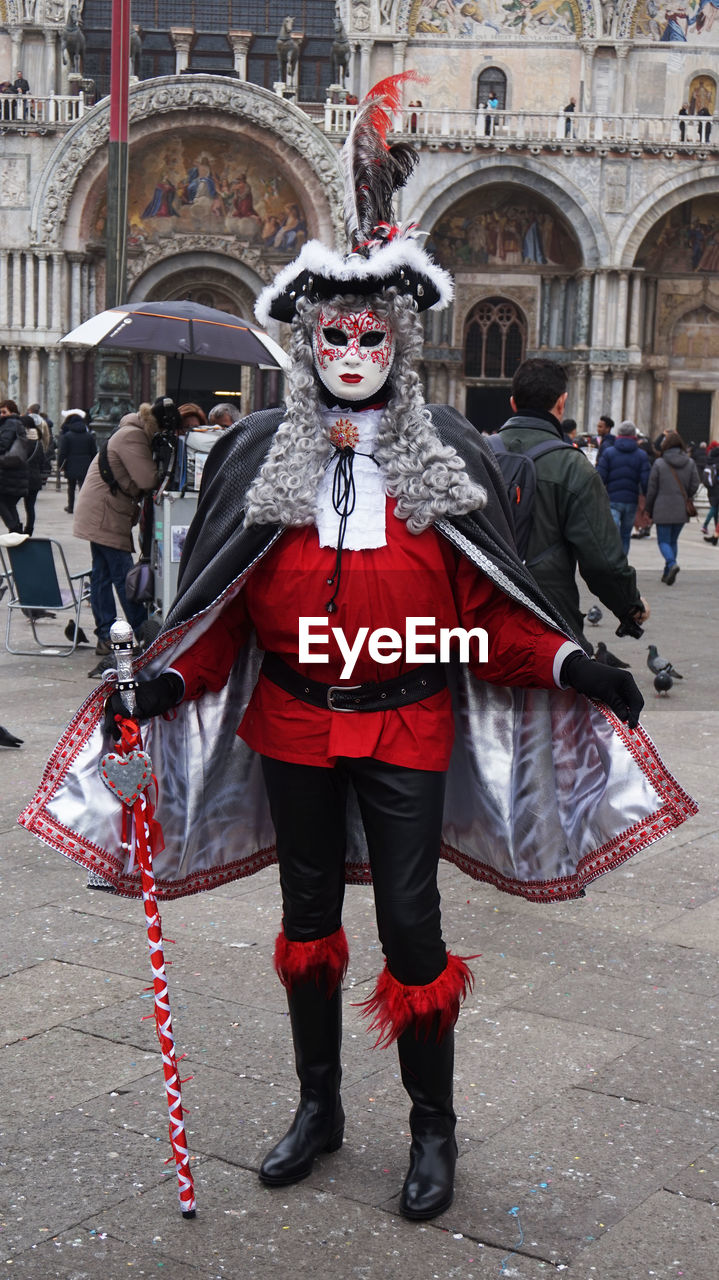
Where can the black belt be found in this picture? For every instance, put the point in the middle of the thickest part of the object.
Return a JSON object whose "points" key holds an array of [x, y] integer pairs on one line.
{"points": [[383, 695]]}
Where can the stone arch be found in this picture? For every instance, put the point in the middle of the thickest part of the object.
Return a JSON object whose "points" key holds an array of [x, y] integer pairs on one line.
{"points": [[681, 310], [513, 323], [697, 73], [577, 208], [654, 206], [156, 280], [79, 160], [705, 309], [491, 64]]}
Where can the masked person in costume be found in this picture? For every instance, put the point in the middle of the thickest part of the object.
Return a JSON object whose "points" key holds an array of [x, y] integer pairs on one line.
{"points": [[340, 529]]}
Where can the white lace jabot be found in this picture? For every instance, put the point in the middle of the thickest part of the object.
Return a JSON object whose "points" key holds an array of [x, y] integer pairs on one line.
{"points": [[366, 525]]}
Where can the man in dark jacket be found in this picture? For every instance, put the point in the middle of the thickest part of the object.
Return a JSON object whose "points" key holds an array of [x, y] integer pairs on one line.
{"points": [[605, 438], [573, 524], [624, 468], [13, 470]]}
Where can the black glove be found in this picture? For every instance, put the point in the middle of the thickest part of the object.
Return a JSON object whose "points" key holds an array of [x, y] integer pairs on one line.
{"points": [[607, 684], [152, 698]]}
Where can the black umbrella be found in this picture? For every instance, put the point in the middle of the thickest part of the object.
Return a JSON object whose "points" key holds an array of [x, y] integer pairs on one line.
{"points": [[182, 329]]}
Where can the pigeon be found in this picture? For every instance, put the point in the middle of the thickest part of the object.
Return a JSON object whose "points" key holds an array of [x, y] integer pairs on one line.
{"points": [[603, 654], [657, 664], [663, 682], [594, 615], [8, 739], [70, 634]]}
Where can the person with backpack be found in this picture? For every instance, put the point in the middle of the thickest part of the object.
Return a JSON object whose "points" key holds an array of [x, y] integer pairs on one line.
{"points": [[108, 507], [710, 480], [624, 469], [37, 468], [14, 449], [569, 524]]}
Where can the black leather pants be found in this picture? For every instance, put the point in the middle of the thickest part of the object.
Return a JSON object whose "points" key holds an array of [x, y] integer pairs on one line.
{"points": [[401, 813]]}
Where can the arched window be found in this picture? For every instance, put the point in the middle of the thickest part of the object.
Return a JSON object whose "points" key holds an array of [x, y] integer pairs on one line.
{"points": [[495, 339], [492, 83]]}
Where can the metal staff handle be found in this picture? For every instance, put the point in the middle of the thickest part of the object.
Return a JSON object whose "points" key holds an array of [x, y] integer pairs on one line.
{"points": [[122, 642]]}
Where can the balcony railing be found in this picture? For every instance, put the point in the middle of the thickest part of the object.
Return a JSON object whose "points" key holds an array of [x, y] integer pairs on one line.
{"points": [[544, 128], [26, 113]]}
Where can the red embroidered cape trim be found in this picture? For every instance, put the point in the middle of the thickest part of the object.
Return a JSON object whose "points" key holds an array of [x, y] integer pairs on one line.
{"points": [[677, 806]]}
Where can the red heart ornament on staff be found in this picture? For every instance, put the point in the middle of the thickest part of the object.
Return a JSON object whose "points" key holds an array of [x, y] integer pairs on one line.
{"points": [[126, 776]]}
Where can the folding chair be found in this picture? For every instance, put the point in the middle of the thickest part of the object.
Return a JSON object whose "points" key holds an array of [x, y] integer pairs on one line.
{"points": [[41, 586]]}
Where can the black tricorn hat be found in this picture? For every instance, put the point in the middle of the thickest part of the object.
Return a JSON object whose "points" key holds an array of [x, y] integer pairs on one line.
{"points": [[382, 254]]}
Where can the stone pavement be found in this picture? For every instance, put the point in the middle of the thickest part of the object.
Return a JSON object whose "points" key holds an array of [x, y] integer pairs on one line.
{"points": [[587, 1061]]}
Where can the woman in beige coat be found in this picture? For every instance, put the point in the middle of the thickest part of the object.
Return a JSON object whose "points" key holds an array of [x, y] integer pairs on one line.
{"points": [[106, 511]]}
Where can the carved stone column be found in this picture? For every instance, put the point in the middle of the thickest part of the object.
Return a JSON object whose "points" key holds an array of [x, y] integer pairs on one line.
{"points": [[13, 374], [4, 299], [616, 405], [29, 319], [583, 313], [630, 396], [557, 317], [659, 408], [50, 38], [42, 316], [599, 325], [635, 314], [58, 291], [16, 35], [399, 48], [33, 390], [585, 76], [596, 393], [545, 311], [52, 404], [620, 338], [240, 41], [620, 95], [75, 289], [366, 47], [16, 314], [578, 409], [182, 38]]}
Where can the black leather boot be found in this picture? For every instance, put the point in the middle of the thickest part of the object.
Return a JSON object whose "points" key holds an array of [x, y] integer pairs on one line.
{"points": [[318, 1125], [427, 1068]]}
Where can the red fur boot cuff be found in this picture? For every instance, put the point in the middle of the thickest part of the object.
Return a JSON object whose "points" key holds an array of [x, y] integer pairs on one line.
{"points": [[433, 1008], [307, 961]]}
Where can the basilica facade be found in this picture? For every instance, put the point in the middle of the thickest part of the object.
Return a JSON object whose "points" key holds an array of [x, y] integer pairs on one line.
{"points": [[568, 179]]}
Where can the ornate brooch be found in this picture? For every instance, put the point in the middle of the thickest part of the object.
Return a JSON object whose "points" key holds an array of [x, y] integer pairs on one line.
{"points": [[344, 433]]}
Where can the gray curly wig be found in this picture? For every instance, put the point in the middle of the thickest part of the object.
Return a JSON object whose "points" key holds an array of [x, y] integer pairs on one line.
{"points": [[428, 478]]}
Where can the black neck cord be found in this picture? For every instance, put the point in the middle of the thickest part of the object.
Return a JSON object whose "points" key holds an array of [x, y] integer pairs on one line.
{"points": [[344, 496]]}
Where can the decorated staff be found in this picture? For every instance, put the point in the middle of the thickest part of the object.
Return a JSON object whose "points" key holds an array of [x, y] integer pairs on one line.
{"points": [[359, 507], [127, 773]]}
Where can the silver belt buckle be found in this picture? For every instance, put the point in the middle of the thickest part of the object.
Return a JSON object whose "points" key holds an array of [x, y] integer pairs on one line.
{"points": [[340, 688]]}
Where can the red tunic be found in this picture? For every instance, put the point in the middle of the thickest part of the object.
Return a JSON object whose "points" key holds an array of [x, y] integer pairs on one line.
{"points": [[417, 575]]}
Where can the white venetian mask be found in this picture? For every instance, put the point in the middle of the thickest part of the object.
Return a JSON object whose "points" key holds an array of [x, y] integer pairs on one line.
{"points": [[353, 352]]}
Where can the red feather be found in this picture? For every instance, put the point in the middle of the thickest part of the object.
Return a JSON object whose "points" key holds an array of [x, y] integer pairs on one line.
{"points": [[325, 959], [431, 1010], [383, 101]]}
